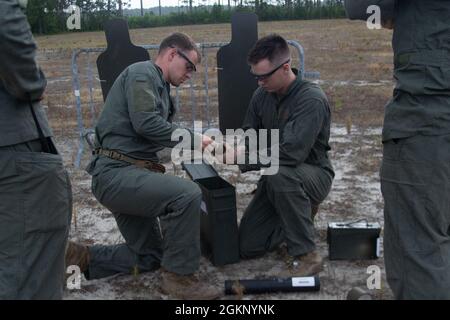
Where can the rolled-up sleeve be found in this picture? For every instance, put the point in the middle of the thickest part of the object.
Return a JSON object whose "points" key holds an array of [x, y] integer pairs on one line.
{"points": [[19, 72]]}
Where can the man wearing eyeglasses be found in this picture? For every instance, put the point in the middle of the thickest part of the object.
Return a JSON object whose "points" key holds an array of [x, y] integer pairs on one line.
{"points": [[284, 205], [136, 123]]}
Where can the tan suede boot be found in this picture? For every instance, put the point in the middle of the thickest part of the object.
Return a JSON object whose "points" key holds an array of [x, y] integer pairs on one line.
{"points": [[303, 266], [187, 287], [78, 255]]}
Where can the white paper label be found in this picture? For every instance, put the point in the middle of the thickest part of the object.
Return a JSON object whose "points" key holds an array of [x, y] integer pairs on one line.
{"points": [[77, 93], [378, 247], [303, 282]]}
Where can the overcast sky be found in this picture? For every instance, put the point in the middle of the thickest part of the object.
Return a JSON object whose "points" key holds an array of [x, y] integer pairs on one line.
{"points": [[173, 3], [170, 3], [154, 3]]}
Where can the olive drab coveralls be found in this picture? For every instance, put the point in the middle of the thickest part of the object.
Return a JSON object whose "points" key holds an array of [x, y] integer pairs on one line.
{"points": [[136, 121], [415, 173], [280, 211], [35, 192]]}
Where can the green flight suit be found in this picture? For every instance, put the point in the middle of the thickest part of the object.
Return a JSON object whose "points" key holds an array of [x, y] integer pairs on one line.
{"points": [[35, 192], [281, 208], [415, 174], [136, 121]]}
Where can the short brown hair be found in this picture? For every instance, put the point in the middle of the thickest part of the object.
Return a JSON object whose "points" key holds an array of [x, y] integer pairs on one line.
{"points": [[180, 41], [272, 47]]}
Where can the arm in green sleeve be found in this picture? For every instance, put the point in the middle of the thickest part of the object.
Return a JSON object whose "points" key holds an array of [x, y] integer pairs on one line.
{"points": [[19, 71], [301, 131], [252, 121], [142, 97]]}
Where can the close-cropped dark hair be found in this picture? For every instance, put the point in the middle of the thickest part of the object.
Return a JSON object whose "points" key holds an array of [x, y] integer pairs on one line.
{"points": [[272, 47], [180, 41]]}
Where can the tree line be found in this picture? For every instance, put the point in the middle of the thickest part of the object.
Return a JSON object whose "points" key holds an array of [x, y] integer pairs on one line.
{"points": [[50, 16]]}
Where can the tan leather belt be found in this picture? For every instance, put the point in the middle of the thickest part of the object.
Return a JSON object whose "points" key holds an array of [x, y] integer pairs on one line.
{"points": [[147, 164]]}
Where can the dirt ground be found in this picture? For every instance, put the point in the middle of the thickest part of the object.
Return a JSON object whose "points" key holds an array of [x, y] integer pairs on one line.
{"points": [[356, 73]]}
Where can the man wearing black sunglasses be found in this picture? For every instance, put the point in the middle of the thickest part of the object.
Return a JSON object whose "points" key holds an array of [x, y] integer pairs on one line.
{"points": [[285, 203], [127, 178], [190, 66]]}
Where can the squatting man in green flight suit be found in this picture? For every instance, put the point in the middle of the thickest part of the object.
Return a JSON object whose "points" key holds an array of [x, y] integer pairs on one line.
{"points": [[136, 123], [35, 192], [283, 207], [415, 173]]}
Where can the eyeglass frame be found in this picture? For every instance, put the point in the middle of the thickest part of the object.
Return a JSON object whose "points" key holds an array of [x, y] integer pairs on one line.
{"points": [[192, 66], [265, 76]]}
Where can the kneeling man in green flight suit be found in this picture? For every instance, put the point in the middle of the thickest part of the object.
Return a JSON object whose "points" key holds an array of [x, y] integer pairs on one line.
{"points": [[283, 207], [157, 214]]}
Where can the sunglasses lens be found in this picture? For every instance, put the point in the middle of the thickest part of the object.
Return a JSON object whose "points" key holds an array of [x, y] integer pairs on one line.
{"points": [[261, 78], [267, 75], [190, 66]]}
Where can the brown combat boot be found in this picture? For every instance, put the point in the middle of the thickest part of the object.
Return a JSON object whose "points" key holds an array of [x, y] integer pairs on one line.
{"points": [[187, 287], [304, 266], [78, 255]]}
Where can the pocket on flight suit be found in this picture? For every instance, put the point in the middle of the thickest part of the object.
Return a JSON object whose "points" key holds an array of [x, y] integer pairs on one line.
{"points": [[397, 180], [10, 205], [47, 198], [11, 229], [410, 78], [437, 80], [144, 99], [405, 187]]}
